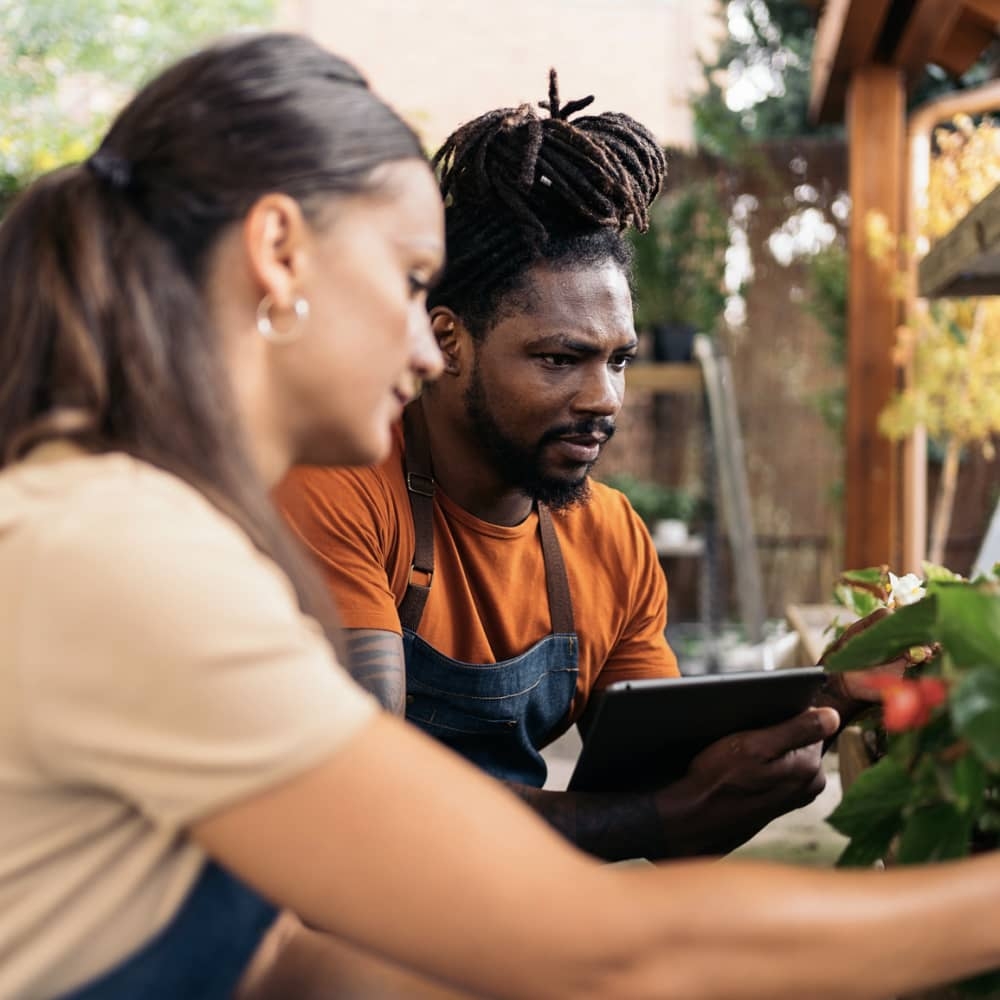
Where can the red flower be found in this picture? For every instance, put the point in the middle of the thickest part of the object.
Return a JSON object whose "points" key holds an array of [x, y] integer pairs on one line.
{"points": [[933, 690], [906, 703], [903, 708]]}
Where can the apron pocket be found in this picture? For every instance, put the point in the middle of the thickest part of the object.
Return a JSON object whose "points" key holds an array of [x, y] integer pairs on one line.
{"points": [[435, 715]]}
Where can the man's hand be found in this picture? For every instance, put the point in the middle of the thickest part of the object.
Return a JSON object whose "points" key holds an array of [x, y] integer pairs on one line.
{"points": [[745, 780], [732, 789]]}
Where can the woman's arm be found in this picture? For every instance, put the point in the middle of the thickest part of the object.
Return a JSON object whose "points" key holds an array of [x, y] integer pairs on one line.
{"points": [[395, 845]]}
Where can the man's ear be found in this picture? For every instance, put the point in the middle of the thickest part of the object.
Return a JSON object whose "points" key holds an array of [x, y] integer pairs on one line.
{"points": [[451, 336], [275, 237]]}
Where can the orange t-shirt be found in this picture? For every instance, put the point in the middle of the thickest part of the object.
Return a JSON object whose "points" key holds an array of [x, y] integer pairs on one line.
{"points": [[488, 599]]}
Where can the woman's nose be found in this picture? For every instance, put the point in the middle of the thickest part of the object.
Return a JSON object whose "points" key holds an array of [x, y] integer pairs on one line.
{"points": [[426, 361]]}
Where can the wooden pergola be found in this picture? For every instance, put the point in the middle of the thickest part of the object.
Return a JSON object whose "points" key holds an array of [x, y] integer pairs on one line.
{"points": [[868, 57]]}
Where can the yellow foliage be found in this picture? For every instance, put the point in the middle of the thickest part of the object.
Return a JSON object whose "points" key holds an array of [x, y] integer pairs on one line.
{"points": [[966, 169], [952, 349], [880, 240]]}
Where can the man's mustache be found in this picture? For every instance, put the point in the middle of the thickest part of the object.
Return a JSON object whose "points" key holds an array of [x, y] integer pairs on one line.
{"points": [[584, 428]]}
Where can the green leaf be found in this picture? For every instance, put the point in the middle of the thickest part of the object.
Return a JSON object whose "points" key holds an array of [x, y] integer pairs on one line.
{"points": [[933, 572], [871, 574], [873, 845], [912, 625], [863, 603], [975, 712], [876, 797], [933, 738], [968, 781], [937, 832], [969, 623]]}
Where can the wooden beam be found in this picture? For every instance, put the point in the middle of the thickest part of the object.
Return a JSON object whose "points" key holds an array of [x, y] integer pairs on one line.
{"points": [[966, 261], [964, 45], [846, 36], [930, 23], [876, 137]]}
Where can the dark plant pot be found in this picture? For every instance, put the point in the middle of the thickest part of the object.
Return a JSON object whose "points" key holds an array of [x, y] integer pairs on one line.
{"points": [[673, 342]]}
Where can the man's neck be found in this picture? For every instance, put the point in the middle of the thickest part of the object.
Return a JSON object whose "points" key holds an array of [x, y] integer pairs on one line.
{"points": [[465, 475]]}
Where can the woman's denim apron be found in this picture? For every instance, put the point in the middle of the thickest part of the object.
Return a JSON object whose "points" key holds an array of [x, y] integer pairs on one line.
{"points": [[495, 714], [200, 955]]}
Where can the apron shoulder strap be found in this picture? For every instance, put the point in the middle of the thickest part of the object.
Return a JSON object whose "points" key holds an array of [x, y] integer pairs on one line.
{"points": [[556, 581], [420, 488]]}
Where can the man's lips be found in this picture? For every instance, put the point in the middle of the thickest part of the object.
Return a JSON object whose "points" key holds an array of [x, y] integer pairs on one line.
{"points": [[582, 448]]}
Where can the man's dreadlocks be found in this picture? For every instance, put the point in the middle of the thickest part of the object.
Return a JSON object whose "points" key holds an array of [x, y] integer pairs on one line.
{"points": [[522, 189]]}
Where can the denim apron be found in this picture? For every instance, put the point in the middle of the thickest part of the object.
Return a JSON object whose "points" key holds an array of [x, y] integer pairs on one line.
{"points": [[200, 955], [497, 715]]}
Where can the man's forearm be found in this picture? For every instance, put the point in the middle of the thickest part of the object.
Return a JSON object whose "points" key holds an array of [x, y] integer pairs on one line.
{"points": [[673, 822], [612, 827], [731, 790], [375, 661]]}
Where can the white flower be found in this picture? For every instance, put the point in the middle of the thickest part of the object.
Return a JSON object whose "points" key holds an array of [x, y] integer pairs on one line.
{"points": [[905, 589]]}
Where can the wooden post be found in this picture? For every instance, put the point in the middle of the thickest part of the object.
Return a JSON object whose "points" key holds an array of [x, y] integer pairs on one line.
{"points": [[875, 119]]}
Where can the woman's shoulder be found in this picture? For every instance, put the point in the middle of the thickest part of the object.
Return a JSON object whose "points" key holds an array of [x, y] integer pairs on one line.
{"points": [[58, 475], [67, 510]]}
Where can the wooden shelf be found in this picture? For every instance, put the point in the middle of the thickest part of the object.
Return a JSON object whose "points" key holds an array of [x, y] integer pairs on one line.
{"points": [[967, 260], [692, 546], [660, 377]]}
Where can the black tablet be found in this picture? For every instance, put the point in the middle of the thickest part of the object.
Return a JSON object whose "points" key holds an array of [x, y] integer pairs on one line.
{"points": [[642, 734]]}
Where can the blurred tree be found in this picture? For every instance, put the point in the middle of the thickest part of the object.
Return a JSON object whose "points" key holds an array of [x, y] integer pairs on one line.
{"points": [[68, 65], [758, 87]]}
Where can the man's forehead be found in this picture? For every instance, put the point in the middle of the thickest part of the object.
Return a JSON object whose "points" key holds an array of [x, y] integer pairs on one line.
{"points": [[568, 299]]}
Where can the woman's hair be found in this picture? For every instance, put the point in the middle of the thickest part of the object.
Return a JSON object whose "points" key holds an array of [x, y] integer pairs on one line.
{"points": [[521, 189], [104, 335]]}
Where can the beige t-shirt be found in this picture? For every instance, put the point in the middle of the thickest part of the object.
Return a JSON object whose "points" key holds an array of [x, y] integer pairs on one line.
{"points": [[154, 667]]}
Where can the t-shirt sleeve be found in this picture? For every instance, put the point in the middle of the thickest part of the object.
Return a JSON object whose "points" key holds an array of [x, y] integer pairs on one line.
{"points": [[641, 650], [163, 658], [346, 520]]}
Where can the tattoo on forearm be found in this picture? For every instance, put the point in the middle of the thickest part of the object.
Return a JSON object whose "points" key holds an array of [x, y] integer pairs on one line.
{"points": [[375, 662]]}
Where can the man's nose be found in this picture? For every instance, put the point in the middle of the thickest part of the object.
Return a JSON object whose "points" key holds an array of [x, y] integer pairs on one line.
{"points": [[601, 392]]}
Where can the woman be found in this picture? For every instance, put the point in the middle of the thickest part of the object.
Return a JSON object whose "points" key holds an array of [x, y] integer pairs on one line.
{"points": [[234, 282]]}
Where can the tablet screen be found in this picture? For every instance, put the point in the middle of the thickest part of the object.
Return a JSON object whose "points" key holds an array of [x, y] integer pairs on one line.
{"points": [[643, 734]]}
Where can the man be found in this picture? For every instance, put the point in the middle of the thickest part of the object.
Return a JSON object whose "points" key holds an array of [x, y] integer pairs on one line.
{"points": [[487, 584]]}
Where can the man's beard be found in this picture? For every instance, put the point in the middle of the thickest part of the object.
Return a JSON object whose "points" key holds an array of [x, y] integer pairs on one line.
{"points": [[521, 466]]}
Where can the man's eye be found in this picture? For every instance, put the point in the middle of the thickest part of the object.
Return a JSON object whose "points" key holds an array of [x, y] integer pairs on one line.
{"points": [[621, 363], [558, 360]]}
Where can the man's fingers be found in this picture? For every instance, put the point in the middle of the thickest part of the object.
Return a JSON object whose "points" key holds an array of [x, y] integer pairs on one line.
{"points": [[814, 725]]}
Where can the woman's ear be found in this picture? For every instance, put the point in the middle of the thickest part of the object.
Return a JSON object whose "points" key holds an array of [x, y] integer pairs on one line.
{"points": [[451, 335], [275, 237]]}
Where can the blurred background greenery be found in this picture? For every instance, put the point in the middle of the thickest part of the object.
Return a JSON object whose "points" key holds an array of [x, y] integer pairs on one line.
{"points": [[69, 65]]}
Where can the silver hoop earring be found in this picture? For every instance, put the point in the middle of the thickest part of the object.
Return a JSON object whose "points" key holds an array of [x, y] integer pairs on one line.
{"points": [[268, 330]]}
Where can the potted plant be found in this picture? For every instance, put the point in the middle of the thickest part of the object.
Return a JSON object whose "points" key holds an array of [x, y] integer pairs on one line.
{"points": [[933, 793], [679, 268], [667, 511]]}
